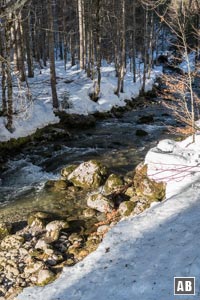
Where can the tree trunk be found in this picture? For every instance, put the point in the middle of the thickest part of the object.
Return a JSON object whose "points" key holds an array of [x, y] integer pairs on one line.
{"points": [[81, 33], [51, 55]]}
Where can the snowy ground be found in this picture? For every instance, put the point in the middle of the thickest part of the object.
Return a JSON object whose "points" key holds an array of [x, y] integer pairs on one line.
{"points": [[73, 89], [140, 256]]}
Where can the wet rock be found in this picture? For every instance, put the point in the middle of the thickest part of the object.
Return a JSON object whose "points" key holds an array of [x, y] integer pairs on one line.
{"points": [[141, 132], [53, 230], [146, 187], [75, 237], [91, 174], [146, 119], [12, 242], [126, 208], [112, 183], [38, 219], [89, 212], [45, 277], [33, 268], [42, 244], [65, 172], [61, 185], [5, 229], [100, 203], [57, 185]]}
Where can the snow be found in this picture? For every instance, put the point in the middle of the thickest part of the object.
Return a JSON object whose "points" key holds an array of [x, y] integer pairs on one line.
{"points": [[175, 163], [138, 258], [141, 255], [73, 89], [191, 59]]}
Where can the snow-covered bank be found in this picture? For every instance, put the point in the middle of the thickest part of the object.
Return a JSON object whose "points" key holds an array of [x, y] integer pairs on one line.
{"points": [[141, 255], [73, 89], [176, 163], [138, 258]]}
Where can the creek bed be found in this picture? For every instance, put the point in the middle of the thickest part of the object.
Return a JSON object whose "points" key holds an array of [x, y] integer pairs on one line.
{"points": [[112, 141]]}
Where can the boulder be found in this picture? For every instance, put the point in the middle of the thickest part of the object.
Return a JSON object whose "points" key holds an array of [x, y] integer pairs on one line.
{"points": [[38, 219], [53, 230], [112, 183], [146, 187], [45, 277], [126, 208], [100, 203], [66, 171], [91, 174], [57, 185], [130, 192], [5, 229]]}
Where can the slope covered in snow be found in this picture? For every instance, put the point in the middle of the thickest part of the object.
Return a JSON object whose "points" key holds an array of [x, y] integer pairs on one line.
{"points": [[141, 255], [73, 88]]}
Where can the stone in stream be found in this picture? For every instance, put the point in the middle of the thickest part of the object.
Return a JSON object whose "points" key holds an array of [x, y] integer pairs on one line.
{"points": [[100, 203], [146, 119], [5, 229], [112, 183], [38, 219], [141, 132], [57, 185], [53, 230], [66, 171], [90, 174]]}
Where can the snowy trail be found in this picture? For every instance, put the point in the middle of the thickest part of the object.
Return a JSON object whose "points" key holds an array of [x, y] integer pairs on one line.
{"points": [[138, 258]]}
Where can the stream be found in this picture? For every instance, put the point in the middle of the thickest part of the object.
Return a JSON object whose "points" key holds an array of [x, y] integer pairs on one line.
{"points": [[112, 141]]}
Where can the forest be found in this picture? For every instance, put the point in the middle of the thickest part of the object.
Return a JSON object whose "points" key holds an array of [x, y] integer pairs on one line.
{"points": [[99, 148], [87, 33]]}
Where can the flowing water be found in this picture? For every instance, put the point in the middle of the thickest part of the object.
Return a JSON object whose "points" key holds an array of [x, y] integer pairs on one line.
{"points": [[112, 141]]}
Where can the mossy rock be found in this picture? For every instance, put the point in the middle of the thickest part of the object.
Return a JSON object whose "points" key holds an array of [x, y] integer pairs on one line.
{"points": [[53, 230], [57, 185], [100, 203], [45, 277], [66, 171], [112, 183], [38, 219], [130, 192], [146, 187], [126, 208], [5, 229], [91, 174]]}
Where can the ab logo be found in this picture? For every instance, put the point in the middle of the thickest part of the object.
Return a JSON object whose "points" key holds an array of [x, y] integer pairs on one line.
{"points": [[184, 285]]}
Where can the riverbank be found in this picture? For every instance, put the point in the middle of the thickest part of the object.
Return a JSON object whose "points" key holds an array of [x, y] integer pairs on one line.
{"points": [[34, 251], [141, 255], [73, 92]]}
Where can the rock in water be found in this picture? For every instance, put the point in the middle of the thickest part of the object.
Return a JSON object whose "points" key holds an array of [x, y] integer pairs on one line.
{"points": [[141, 132], [53, 230], [91, 174], [65, 172], [5, 229], [100, 203], [112, 183]]}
